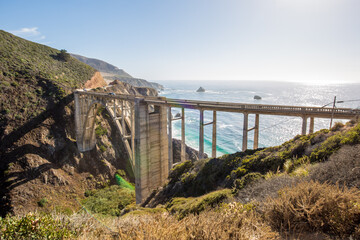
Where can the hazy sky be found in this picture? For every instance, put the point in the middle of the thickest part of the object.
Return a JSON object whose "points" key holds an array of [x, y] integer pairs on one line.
{"points": [[294, 40]]}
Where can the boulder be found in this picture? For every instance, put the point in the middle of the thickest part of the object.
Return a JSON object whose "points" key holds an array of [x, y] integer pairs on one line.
{"points": [[201, 89], [257, 97]]}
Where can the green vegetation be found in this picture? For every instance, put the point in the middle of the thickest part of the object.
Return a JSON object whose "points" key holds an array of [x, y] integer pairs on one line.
{"points": [[185, 206], [42, 202], [308, 210], [35, 227], [100, 131], [109, 201], [264, 194], [33, 78], [102, 147], [64, 56]]}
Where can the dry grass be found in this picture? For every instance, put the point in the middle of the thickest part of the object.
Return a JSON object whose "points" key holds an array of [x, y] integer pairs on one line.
{"points": [[308, 210], [231, 223], [343, 168], [315, 207]]}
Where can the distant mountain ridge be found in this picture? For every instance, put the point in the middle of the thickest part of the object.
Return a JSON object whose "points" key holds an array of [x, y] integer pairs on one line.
{"points": [[111, 73]]}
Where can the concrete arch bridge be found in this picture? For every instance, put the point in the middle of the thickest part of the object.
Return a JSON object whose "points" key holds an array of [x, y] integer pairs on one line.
{"points": [[145, 126]]}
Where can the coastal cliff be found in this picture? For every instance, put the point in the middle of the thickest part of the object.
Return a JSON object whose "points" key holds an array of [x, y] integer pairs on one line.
{"points": [[111, 73]]}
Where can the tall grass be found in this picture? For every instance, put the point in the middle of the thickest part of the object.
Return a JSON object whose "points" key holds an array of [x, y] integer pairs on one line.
{"points": [[308, 208]]}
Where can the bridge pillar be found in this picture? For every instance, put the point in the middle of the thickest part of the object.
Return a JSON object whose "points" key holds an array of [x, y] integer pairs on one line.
{"points": [[245, 132], [151, 149], [256, 132], [183, 146], [201, 135], [311, 128], [304, 123], [170, 148], [213, 153]]}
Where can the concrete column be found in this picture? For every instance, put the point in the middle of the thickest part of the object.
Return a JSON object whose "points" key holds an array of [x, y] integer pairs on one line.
{"points": [[256, 131], [132, 130], [213, 152], [201, 135], [311, 128], [245, 132], [183, 146], [171, 161], [164, 154], [115, 115], [148, 146], [140, 181], [78, 122], [304, 123], [123, 118]]}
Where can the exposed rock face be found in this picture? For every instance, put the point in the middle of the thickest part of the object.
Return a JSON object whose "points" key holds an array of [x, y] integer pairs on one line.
{"points": [[257, 97], [201, 89], [96, 81], [125, 88], [101, 65], [111, 73], [190, 153]]}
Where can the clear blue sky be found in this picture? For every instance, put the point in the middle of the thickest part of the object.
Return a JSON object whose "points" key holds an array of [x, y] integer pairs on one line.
{"points": [[291, 40]]}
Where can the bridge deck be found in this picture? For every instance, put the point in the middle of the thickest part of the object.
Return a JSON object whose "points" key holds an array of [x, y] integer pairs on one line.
{"points": [[151, 149], [283, 110]]}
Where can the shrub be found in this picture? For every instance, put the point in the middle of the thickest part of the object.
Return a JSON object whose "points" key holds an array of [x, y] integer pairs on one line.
{"points": [[179, 169], [185, 206], [35, 227], [328, 147], [42, 202], [102, 147], [337, 126], [232, 223], [110, 200], [312, 206], [247, 179], [63, 55], [100, 131], [343, 167]]}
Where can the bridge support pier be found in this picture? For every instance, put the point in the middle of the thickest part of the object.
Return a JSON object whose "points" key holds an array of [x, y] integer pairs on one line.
{"points": [[311, 128], [213, 152], [256, 131], [183, 146], [151, 149], [170, 150], [201, 135], [304, 123], [245, 132]]}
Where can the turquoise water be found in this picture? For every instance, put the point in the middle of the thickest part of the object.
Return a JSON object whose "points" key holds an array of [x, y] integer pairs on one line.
{"points": [[274, 130]]}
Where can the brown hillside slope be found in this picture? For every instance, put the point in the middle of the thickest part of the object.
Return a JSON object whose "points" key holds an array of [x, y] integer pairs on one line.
{"points": [[39, 160]]}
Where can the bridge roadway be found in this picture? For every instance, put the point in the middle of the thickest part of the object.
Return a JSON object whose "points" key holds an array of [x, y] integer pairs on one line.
{"points": [[282, 110], [142, 122], [304, 112]]}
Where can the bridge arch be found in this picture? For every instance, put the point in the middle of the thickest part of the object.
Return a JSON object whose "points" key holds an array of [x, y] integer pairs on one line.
{"points": [[143, 134], [149, 144]]}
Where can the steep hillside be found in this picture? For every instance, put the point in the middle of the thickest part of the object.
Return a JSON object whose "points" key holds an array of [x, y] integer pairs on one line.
{"points": [[39, 157], [236, 171], [307, 188], [111, 73], [102, 66]]}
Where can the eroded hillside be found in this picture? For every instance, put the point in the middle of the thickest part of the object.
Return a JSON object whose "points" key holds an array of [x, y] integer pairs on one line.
{"points": [[40, 165]]}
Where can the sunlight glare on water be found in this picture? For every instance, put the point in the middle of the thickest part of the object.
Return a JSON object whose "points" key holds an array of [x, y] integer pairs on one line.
{"points": [[274, 130]]}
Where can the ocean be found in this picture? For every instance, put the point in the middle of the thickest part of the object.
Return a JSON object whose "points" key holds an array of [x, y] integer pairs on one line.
{"points": [[273, 130]]}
